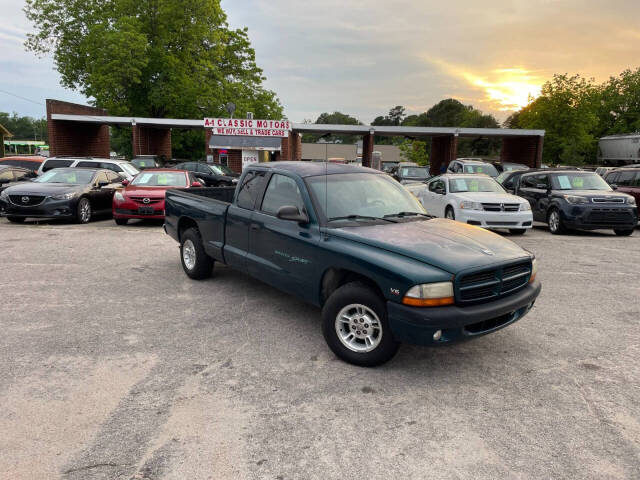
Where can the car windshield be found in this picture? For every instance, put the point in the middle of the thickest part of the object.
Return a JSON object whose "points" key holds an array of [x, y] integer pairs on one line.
{"points": [[160, 179], [474, 184], [486, 168], [414, 172], [579, 181], [222, 169], [361, 195], [76, 176], [510, 167], [144, 163], [130, 169]]}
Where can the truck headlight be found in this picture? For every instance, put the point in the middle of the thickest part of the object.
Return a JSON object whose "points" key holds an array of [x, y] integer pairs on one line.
{"points": [[525, 207], [574, 199], [430, 295], [64, 196], [4, 195], [119, 197], [534, 270], [631, 200], [471, 205]]}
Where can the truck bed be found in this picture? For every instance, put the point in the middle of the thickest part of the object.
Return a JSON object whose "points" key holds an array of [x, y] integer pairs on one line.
{"points": [[207, 207]]}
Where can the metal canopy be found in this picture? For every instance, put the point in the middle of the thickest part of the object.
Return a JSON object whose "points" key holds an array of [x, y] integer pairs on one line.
{"points": [[311, 127]]}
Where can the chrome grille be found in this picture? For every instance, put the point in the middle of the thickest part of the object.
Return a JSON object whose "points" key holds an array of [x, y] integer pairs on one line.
{"points": [[493, 283], [501, 207], [608, 200], [26, 200]]}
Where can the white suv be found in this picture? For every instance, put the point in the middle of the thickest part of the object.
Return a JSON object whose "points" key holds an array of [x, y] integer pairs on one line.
{"points": [[122, 167]]}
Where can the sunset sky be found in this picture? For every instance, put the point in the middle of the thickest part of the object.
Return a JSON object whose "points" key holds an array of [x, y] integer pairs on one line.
{"points": [[363, 57]]}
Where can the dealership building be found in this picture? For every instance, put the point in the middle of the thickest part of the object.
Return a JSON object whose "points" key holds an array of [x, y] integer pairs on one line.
{"points": [[80, 130]]}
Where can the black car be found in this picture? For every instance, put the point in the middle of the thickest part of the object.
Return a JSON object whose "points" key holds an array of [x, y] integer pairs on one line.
{"points": [[75, 193], [213, 174], [410, 174], [577, 199], [509, 179], [9, 175]]}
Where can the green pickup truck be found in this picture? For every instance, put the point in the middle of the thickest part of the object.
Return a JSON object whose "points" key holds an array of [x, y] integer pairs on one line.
{"points": [[353, 241]]}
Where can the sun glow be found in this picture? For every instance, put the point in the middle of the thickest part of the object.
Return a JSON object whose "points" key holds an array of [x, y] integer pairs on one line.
{"points": [[504, 89]]}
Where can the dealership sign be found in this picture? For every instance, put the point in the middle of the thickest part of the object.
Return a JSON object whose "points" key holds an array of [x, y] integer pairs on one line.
{"points": [[248, 127]]}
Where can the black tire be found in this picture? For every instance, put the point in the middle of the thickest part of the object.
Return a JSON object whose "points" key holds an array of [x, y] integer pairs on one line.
{"points": [[623, 233], [121, 221], [360, 294], [517, 231], [16, 219], [202, 263], [555, 227], [83, 216], [449, 213]]}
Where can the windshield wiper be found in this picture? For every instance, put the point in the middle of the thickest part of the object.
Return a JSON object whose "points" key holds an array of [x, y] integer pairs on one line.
{"points": [[408, 214], [361, 217]]}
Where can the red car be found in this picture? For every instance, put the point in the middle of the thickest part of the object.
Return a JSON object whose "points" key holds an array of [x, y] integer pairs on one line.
{"points": [[143, 197], [626, 180], [32, 162]]}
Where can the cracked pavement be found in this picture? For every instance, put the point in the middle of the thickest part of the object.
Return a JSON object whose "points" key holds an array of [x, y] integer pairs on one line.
{"points": [[114, 365]]}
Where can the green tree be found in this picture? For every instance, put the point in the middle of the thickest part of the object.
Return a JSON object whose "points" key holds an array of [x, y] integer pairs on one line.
{"points": [[25, 128], [335, 118], [567, 109], [156, 58], [618, 108], [414, 151]]}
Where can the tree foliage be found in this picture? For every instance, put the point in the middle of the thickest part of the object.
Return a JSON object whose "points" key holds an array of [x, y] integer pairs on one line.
{"points": [[414, 151], [335, 118], [25, 128], [155, 58]]}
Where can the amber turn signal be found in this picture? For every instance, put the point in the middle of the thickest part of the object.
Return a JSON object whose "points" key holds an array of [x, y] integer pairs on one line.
{"points": [[427, 302]]}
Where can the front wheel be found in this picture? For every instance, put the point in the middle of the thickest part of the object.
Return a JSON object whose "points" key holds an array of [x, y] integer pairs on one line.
{"points": [[449, 213], [517, 231], [355, 326], [195, 261], [83, 210], [623, 233], [556, 225]]}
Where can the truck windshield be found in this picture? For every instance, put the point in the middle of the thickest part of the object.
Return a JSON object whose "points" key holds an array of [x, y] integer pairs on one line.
{"points": [[361, 195]]}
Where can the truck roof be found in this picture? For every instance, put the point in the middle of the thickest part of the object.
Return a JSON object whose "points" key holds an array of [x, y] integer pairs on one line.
{"points": [[311, 169]]}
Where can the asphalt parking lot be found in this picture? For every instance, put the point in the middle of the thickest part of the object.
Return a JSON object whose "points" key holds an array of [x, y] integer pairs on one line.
{"points": [[114, 365]]}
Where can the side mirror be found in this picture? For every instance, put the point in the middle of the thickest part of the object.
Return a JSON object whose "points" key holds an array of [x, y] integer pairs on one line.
{"points": [[196, 184], [125, 182], [614, 186], [289, 212]]}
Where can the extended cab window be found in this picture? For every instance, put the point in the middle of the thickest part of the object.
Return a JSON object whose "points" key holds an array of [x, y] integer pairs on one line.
{"points": [[251, 186], [281, 191]]}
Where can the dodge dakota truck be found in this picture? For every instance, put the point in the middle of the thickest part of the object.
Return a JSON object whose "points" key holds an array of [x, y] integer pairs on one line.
{"points": [[354, 242]]}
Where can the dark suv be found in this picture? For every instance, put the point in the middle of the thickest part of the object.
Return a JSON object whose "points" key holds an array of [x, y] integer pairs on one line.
{"points": [[577, 199], [212, 174], [625, 180]]}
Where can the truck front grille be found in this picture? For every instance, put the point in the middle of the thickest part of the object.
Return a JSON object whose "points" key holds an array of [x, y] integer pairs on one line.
{"points": [[493, 283]]}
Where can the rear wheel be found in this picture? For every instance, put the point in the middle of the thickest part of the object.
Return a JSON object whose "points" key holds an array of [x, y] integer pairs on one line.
{"points": [[355, 326], [623, 233], [517, 231], [83, 210], [16, 219], [121, 221], [195, 261], [556, 225], [449, 213]]}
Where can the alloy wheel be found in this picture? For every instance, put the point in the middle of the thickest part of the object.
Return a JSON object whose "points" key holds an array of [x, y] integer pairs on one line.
{"points": [[358, 328], [189, 254]]}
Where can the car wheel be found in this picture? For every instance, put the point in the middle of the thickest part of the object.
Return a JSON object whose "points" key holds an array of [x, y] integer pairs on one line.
{"points": [[556, 225], [16, 219], [449, 213], [517, 231], [121, 221], [623, 233], [195, 261], [355, 326], [83, 210]]}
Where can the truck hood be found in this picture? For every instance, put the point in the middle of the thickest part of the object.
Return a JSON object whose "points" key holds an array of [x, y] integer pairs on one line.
{"points": [[446, 244]]}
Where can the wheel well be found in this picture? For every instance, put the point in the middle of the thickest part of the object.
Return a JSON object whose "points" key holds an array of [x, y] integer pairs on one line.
{"points": [[184, 224], [335, 278]]}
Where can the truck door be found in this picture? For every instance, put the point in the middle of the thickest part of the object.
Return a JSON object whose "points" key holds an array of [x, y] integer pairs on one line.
{"points": [[236, 244], [282, 252]]}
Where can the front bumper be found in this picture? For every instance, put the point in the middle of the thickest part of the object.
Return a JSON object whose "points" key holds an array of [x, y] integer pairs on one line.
{"points": [[131, 209], [602, 216], [417, 325], [485, 219], [49, 208]]}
